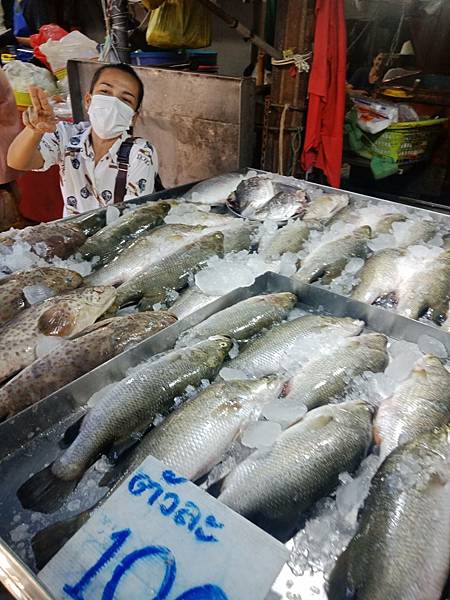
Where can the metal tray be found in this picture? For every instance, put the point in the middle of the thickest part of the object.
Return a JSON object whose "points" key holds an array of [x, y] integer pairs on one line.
{"points": [[29, 441]]}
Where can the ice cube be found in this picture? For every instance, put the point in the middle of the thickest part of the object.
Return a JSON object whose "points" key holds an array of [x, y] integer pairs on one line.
{"points": [[47, 343], [234, 350], [158, 419], [112, 214], [354, 265], [288, 264], [400, 366], [261, 434], [285, 413], [381, 242], [430, 345], [224, 279], [229, 374]]}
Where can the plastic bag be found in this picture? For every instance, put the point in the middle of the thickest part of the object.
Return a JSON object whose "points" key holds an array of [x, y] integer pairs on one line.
{"points": [[22, 75], [374, 116], [178, 24], [74, 45], [46, 33]]}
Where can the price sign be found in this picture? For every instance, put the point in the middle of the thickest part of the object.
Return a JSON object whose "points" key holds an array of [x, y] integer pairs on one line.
{"points": [[160, 537]]}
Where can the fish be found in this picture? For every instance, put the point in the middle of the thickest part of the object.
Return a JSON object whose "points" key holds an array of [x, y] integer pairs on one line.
{"points": [[171, 272], [48, 240], [190, 301], [446, 241], [12, 299], [266, 354], [273, 487], [328, 260], [402, 547], [238, 235], [244, 319], [195, 437], [129, 406], [284, 205], [94, 346], [420, 231], [324, 207], [63, 316], [290, 238], [385, 223], [191, 440], [427, 288], [379, 276], [90, 222], [144, 252], [214, 191], [419, 404], [327, 377], [252, 194], [112, 239]]}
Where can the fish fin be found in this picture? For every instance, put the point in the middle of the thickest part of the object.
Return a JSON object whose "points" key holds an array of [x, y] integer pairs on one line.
{"points": [[71, 433], [44, 492], [57, 320], [47, 542]]}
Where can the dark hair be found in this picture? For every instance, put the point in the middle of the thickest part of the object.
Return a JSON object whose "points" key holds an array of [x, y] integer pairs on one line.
{"points": [[125, 69]]}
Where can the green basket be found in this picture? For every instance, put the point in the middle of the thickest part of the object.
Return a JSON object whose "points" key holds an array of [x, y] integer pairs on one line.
{"points": [[402, 142]]}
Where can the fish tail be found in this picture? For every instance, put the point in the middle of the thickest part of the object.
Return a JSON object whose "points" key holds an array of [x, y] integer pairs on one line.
{"points": [[44, 492], [47, 542]]}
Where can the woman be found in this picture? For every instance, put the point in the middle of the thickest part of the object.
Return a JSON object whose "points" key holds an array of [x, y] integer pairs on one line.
{"points": [[365, 79]]}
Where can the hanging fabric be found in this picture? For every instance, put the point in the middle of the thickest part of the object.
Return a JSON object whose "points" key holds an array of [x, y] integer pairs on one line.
{"points": [[326, 90]]}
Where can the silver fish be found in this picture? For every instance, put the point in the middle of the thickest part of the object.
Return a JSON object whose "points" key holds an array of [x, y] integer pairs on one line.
{"points": [[195, 437], [274, 487], [284, 205], [112, 239], [419, 404], [290, 238], [268, 353], [252, 194], [244, 319], [419, 231], [402, 547], [214, 191], [322, 208], [328, 377], [190, 301], [144, 252], [62, 316], [129, 406], [172, 272], [427, 288], [328, 260], [379, 276]]}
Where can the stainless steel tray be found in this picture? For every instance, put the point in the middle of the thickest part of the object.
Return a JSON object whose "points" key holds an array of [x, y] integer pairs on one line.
{"points": [[29, 441]]}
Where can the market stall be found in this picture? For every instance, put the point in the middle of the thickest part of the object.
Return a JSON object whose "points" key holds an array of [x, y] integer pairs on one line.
{"points": [[282, 324]]}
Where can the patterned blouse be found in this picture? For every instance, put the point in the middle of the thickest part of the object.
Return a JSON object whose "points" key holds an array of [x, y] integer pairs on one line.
{"points": [[86, 186]]}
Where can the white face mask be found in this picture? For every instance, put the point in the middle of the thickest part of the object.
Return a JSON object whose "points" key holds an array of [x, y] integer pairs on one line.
{"points": [[109, 116]]}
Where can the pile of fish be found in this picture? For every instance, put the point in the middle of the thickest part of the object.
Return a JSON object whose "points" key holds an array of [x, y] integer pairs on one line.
{"points": [[272, 409], [316, 379]]}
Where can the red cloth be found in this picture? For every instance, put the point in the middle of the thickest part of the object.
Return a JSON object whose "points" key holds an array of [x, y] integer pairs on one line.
{"points": [[326, 89], [40, 195]]}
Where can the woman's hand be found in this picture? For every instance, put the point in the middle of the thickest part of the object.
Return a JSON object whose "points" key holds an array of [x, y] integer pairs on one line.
{"points": [[40, 116]]}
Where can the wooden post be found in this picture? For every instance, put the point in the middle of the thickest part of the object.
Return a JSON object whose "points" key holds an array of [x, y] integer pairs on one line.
{"points": [[285, 114]]}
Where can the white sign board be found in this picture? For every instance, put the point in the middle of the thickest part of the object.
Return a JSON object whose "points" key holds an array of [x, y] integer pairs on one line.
{"points": [[160, 537]]}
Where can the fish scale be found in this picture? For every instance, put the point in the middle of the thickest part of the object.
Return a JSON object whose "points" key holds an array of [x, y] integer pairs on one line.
{"points": [[420, 403], [134, 402], [171, 272], [196, 436], [379, 276], [244, 319], [274, 487], [76, 357], [327, 377], [328, 260], [401, 550], [266, 354], [290, 238]]}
